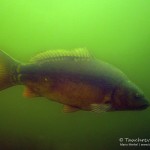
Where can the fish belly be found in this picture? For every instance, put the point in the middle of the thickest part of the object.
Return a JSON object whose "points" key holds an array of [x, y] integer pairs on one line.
{"points": [[75, 93]]}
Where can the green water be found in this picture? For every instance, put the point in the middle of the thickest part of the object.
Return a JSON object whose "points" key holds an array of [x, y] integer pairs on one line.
{"points": [[116, 31]]}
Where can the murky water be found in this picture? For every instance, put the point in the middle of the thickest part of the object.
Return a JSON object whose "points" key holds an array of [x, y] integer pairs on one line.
{"points": [[115, 31]]}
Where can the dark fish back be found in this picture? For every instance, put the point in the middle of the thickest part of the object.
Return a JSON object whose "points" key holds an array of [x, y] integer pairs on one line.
{"points": [[93, 71]]}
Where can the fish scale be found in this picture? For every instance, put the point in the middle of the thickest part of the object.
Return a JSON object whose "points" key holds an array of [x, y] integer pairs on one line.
{"points": [[74, 78]]}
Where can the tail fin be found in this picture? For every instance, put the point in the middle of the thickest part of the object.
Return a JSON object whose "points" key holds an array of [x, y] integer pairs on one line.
{"points": [[7, 68]]}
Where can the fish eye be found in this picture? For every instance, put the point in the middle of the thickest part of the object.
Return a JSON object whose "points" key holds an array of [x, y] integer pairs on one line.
{"points": [[137, 95]]}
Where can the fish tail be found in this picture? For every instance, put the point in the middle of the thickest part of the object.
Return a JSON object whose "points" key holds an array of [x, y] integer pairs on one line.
{"points": [[8, 67]]}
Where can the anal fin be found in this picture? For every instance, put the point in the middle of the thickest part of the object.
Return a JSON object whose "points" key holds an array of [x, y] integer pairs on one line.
{"points": [[69, 109]]}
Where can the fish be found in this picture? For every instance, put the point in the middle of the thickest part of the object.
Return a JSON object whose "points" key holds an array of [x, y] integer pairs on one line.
{"points": [[74, 78]]}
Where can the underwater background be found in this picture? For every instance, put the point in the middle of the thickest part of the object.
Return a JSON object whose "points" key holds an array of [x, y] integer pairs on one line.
{"points": [[116, 31]]}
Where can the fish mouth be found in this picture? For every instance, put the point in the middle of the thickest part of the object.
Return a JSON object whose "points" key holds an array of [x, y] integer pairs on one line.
{"points": [[141, 107], [144, 106], [144, 103]]}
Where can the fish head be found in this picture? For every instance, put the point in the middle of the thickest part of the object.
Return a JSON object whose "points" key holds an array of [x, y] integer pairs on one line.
{"points": [[129, 97]]}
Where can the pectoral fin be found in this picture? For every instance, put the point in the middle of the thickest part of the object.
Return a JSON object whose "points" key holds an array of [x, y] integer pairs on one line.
{"points": [[69, 109], [99, 108], [29, 93]]}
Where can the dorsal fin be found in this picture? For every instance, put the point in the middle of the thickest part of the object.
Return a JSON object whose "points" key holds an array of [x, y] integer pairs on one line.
{"points": [[60, 54]]}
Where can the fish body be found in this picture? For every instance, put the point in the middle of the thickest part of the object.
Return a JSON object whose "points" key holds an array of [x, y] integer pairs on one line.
{"points": [[77, 80]]}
